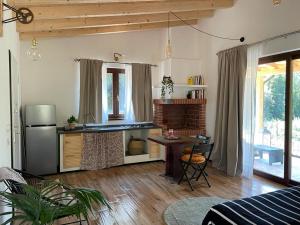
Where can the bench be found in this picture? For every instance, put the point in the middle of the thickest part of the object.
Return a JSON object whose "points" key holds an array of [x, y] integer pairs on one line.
{"points": [[275, 154]]}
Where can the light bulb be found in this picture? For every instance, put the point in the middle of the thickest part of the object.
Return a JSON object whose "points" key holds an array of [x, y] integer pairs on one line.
{"points": [[169, 50], [34, 52]]}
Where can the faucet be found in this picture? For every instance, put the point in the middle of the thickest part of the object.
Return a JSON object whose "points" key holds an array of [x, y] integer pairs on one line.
{"points": [[91, 115]]}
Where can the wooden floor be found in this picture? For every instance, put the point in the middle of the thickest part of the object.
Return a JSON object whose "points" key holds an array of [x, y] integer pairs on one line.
{"points": [[139, 194]]}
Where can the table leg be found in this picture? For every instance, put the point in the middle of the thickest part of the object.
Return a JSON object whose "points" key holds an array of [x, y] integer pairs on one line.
{"points": [[177, 170], [169, 161]]}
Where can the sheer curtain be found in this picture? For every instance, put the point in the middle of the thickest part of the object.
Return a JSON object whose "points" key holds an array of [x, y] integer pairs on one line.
{"points": [[253, 54], [128, 115]]}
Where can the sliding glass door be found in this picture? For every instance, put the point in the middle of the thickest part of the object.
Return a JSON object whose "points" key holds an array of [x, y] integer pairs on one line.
{"points": [[277, 118], [269, 139]]}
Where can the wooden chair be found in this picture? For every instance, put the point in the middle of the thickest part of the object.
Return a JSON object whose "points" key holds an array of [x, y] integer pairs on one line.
{"points": [[197, 161], [204, 140]]}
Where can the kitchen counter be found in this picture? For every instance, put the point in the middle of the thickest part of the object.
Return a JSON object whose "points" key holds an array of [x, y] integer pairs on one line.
{"points": [[107, 128]]}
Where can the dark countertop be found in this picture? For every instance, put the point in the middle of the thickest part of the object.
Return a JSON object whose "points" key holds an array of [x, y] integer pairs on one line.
{"points": [[107, 128]]}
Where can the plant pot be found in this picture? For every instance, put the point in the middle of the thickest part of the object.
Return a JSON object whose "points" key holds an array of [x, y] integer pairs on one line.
{"points": [[72, 125]]}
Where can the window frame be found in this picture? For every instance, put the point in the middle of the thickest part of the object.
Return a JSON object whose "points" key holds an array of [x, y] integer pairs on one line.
{"points": [[115, 87]]}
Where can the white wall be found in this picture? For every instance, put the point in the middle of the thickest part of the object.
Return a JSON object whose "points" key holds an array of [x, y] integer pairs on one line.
{"points": [[256, 20], [8, 41], [55, 80]]}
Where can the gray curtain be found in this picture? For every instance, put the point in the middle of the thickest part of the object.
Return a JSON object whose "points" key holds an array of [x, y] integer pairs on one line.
{"points": [[228, 152], [90, 106], [142, 92]]}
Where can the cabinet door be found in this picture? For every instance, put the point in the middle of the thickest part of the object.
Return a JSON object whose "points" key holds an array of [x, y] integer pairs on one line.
{"points": [[154, 148], [72, 149]]}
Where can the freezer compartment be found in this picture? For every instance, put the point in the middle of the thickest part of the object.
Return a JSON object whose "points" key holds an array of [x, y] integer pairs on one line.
{"points": [[40, 115], [41, 150]]}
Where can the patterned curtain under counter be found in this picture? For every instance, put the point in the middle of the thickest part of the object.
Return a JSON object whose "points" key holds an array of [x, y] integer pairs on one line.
{"points": [[102, 150]]}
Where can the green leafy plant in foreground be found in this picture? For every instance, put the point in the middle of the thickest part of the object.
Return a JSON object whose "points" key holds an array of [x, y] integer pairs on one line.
{"points": [[52, 201]]}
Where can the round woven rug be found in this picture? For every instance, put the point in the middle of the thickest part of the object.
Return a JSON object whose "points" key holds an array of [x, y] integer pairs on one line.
{"points": [[190, 211]]}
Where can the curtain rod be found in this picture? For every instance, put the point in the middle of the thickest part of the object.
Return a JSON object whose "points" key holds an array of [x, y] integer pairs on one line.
{"points": [[271, 39], [124, 63], [275, 37]]}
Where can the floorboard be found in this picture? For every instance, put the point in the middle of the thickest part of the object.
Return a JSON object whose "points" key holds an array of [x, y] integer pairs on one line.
{"points": [[139, 193]]}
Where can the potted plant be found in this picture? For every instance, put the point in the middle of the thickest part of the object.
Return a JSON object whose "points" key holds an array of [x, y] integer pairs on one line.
{"points": [[50, 201], [72, 121], [167, 87]]}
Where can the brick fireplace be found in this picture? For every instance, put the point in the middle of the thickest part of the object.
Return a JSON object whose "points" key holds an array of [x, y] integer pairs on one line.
{"points": [[184, 116]]}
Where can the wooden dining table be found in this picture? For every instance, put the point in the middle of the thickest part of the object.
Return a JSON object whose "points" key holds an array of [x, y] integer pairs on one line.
{"points": [[174, 150]]}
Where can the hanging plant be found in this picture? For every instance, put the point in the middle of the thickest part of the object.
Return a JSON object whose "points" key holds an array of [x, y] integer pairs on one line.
{"points": [[167, 86]]}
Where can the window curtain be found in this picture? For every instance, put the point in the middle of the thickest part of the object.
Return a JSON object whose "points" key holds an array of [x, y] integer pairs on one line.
{"points": [[128, 115], [142, 92], [90, 91], [253, 54], [228, 151]]}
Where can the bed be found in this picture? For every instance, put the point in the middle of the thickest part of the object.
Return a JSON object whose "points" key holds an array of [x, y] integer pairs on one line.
{"points": [[279, 207]]}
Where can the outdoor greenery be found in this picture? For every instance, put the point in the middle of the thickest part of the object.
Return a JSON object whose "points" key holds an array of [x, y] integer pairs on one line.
{"points": [[274, 97], [51, 201]]}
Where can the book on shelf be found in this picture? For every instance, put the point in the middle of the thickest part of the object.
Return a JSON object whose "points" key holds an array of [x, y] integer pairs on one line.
{"points": [[197, 94]]}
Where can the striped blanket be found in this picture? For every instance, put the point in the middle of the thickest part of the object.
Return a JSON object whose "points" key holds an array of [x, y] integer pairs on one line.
{"points": [[279, 207]]}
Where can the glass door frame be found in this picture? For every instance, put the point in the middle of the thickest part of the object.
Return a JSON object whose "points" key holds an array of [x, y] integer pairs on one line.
{"points": [[288, 57]]}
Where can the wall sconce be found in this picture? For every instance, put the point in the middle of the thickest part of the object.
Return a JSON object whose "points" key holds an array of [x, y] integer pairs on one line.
{"points": [[117, 56], [276, 2]]}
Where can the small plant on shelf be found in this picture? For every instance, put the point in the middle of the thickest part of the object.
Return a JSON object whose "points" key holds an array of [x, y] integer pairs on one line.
{"points": [[72, 121], [167, 86]]}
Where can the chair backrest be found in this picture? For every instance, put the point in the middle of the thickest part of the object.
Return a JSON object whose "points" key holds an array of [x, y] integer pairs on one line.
{"points": [[204, 139], [204, 149]]}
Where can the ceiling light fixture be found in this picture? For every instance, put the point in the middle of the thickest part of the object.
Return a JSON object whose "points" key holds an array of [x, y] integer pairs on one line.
{"points": [[169, 47], [33, 52], [276, 2]]}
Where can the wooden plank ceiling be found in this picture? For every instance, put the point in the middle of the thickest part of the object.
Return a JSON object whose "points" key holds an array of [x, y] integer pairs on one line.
{"points": [[65, 18]]}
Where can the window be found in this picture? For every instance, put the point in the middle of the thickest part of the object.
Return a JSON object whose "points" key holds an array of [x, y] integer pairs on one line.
{"points": [[115, 93]]}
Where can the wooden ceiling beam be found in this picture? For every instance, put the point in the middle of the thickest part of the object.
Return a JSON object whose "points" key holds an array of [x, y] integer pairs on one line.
{"points": [[101, 30], [70, 23], [124, 8], [27, 3]]}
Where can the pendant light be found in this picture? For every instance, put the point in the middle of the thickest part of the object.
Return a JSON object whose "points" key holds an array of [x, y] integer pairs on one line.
{"points": [[169, 47], [33, 52]]}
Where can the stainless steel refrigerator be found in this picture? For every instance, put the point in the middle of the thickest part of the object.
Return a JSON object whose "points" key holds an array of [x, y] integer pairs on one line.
{"points": [[41, 155]]}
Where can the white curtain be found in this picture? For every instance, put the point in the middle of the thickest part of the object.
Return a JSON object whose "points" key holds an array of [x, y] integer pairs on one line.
{"points": [[253, 54], [129, 115]]}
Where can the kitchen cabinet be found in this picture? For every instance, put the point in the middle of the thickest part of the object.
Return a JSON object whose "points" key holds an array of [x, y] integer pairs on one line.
{"points": [[71, 147], [70, 151]]}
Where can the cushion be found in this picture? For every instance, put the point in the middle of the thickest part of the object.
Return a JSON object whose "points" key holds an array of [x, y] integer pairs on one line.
{"points": [[196, 158], [7, 173]]}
